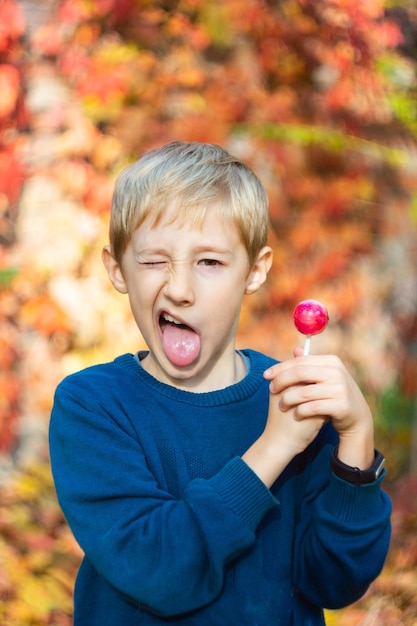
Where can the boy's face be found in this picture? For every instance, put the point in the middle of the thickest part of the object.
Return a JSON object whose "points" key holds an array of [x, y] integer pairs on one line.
{"points": [[185, 288]]}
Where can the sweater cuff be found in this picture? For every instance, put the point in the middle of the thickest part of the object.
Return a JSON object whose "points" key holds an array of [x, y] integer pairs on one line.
{"points": [[244, 493], [352, 503]]}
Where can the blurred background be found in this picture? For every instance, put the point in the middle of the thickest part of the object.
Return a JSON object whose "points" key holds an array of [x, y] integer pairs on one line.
{"points": [[320, 98]]}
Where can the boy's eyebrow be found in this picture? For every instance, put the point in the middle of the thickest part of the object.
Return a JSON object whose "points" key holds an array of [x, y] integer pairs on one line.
{"points": [[211, 248], [150, 251], [198, 250]]}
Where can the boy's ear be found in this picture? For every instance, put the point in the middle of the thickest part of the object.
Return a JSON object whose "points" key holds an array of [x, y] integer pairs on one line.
{"points": [[259, 271], [113, 270]]}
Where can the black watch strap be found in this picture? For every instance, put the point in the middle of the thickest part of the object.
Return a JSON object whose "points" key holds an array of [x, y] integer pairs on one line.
{"points": [[354, 474]]}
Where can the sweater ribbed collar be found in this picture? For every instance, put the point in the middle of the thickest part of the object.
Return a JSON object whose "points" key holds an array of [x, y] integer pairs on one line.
{"points": [[239, 391]]}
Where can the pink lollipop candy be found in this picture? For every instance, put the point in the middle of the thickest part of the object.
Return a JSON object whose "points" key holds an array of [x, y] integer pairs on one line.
{"points": [[310, 318]]}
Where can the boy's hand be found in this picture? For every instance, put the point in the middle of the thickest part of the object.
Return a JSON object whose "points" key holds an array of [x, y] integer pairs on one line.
{"points": [[307, 391], [312, 389]]}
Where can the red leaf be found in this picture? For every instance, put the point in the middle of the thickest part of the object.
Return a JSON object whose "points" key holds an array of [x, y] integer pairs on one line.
{"points": [[47, 40], [12, 23], [11, 173]]}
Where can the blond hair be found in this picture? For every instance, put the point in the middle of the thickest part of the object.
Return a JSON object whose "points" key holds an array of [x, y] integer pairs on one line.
{"points": [[194, 176]]}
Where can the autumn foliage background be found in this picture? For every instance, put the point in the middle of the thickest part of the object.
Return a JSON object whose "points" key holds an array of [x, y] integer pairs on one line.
{"points": [[319, 96]]}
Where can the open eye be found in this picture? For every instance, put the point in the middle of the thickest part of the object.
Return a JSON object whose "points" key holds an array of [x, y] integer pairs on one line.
{"points": [[210, 262]]}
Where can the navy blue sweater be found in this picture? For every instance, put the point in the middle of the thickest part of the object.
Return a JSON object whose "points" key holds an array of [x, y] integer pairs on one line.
{"points": [[176, 528]]}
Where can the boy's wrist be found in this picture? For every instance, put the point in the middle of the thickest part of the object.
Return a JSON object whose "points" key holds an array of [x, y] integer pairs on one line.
{"points": [[356, 475], [357, 449], [267, 461]]}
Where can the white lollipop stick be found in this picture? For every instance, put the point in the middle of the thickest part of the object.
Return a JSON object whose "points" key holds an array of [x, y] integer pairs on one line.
{"points": [[307, 345]]}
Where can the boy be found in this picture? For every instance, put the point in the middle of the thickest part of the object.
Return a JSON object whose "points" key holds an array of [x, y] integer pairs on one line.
{"points": [[208, 486]]}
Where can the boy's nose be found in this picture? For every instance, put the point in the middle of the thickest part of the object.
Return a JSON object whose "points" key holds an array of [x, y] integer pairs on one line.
{"points": [[178, 287]]}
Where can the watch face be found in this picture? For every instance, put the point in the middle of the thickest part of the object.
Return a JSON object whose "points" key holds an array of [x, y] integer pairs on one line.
{"points": [[380, 467]]}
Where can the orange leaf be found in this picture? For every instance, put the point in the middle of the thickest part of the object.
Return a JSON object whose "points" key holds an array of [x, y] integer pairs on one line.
{"points": [[44, 315], [9, 89]]}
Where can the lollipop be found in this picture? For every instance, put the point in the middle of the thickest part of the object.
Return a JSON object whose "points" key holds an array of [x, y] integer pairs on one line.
{"points": [[310, 318]]}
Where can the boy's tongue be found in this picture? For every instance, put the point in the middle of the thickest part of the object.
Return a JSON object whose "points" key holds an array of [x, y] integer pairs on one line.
{"points": [[181, 344]]}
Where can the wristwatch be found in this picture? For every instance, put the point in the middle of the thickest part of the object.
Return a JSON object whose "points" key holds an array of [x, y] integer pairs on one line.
{"points": [[354, 474]]}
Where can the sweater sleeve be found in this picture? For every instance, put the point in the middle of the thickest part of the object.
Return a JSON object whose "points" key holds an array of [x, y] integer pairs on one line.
{"points": [[343, 534], [137, 536]]}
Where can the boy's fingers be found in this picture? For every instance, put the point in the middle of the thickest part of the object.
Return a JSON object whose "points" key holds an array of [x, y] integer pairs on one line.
{"points": [[273, 371], [305, 370], [301, 362], [298, 351]]}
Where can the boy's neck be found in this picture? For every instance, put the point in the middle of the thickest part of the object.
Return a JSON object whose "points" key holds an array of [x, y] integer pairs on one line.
{"points": [[214, 381]]}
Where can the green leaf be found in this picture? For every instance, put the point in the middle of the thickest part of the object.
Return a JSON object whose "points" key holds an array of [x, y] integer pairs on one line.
{"points": [[329, 138], [7, 276]]}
